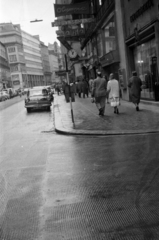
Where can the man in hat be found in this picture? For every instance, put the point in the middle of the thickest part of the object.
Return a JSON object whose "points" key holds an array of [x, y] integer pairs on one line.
{"points": [[99, 90]]}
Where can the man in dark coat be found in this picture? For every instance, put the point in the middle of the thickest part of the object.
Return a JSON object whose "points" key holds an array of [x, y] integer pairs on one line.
{"points": [[134, 85], [99, 93]]}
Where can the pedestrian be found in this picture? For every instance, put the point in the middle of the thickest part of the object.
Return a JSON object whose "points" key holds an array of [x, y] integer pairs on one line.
{"points": [[79, 87], [58, 90], [113, 91], [85, 87], [107, 96], [91, 85], [99, 93], [134, 85]]}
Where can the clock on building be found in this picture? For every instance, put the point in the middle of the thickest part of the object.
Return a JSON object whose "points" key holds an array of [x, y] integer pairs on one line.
{"points": [[72, 53]]}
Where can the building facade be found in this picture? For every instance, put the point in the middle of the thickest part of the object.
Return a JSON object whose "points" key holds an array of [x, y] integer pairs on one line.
{"points": [[10, 36], [141, 20], [33, 60], [5, 75], [54, 66], [24, 54], [46, 63]]}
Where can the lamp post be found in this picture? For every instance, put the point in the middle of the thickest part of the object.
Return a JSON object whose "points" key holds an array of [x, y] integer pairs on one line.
{"points": [[68, 81]]}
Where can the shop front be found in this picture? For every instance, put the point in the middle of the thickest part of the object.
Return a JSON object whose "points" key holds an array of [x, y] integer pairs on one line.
{"points": [[145, 57], [142, 44]]}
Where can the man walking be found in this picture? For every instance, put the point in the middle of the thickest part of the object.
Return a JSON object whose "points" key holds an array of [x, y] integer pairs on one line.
{"points": [[99, 93], [135, 84]]}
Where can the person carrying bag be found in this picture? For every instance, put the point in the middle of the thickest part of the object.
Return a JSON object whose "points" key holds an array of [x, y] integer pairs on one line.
{"points": [[113, 91]]}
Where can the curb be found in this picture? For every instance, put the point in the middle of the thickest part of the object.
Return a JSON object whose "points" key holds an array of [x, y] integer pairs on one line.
{"points": [[60, 128]]}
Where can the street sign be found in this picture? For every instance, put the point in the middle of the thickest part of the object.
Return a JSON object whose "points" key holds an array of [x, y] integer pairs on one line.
{"points": [[71, 32], [72, 22]]}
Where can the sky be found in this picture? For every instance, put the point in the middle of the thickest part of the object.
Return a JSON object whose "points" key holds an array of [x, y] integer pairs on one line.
{"points": [[23, 11]]}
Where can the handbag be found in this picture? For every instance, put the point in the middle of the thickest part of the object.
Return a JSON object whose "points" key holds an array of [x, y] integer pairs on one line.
{"points": [[115, 102]]}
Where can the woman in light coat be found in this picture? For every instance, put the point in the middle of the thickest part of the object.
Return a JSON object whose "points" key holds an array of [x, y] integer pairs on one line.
{"points": [[113, 91]]}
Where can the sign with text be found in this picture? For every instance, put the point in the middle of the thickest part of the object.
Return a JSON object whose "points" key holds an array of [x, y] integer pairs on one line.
{"points": [[71, 32], [68, 9], [59, 23]]}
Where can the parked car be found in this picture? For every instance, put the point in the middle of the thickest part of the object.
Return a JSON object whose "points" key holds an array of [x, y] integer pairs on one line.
{"points": [[5, 93], [3, 96], [37, 98]]}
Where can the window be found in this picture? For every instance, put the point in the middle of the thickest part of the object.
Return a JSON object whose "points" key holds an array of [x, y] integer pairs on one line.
{"points": [[99, 45], [14, 68], [110, 40], [11, 49], [13, 58]]}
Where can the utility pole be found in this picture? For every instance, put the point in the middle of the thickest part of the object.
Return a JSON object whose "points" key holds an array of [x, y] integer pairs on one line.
{"points": [[68, 81]]}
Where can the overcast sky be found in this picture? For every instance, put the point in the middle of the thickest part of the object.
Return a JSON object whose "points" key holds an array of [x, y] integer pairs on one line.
{"points": [[23, 11]]}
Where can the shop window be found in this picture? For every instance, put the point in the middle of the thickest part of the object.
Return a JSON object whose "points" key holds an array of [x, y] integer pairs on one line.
{"points": [[143, 55]]}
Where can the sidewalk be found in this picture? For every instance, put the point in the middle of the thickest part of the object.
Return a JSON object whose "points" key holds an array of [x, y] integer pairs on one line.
{"points": [[88, 122]]}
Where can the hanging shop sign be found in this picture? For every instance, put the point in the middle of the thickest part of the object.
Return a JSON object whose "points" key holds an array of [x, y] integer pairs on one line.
{"points": [[68, 9], [59, 23], [64, 42], [71, 32]]}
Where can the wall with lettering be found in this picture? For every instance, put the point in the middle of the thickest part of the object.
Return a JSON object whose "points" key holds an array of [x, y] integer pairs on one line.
{"points": [[139, 13]]}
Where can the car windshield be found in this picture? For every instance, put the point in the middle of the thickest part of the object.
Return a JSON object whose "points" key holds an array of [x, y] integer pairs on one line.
{"points": [[38, 92]]}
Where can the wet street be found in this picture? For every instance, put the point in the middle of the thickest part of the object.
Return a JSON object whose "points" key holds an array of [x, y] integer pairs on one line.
{"points": [[57, 187]]}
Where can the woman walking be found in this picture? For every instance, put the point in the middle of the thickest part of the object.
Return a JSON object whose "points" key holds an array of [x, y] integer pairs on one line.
{"points": [[99, 93], [134, 85], [113, 91]]}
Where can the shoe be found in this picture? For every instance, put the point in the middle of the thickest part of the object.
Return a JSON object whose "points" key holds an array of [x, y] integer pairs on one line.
{"points": [[137, 108]]}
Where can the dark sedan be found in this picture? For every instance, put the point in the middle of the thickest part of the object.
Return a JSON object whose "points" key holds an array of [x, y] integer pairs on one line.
{"points": [[37, 98]]}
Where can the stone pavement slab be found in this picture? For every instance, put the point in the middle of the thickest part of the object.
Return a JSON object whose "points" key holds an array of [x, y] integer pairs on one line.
{"points": [[87, 120]]}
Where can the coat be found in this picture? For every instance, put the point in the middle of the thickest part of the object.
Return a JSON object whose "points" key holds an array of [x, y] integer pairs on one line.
{"points": [[113, 88], [85, 87], [99, 88], [135, 84]]}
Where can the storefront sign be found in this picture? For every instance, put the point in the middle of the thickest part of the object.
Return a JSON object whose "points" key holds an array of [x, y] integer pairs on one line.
{"points": [[141, 10], [16, 82], [68, 9], [59, 23], [71, 32]]}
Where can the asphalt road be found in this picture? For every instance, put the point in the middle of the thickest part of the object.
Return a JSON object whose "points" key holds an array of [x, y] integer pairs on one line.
{"points": [[55, 187]]}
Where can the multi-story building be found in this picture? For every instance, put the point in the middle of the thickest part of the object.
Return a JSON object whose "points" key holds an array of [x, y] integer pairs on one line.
{"points": [[5, 76], [54, 65], [124, 38], [10, 36], [46, 63], [24, 54], [33, 59]]}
